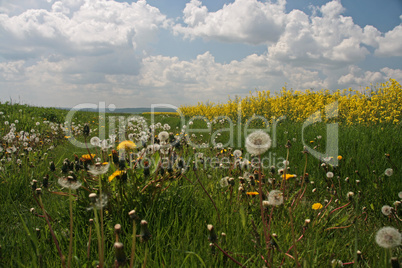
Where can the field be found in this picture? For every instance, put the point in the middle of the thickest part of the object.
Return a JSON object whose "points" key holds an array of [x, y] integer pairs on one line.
{"points": [[202, 197]]}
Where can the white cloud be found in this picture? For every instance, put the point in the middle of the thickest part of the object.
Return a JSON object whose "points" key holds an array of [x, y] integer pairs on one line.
{"points": [[248, 21], [90, 26], [391, 44], [330, 39], [359, 78]]}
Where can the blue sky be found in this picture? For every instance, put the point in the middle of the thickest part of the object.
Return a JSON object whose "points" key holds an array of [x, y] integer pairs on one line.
{"points": [[138, 53]]}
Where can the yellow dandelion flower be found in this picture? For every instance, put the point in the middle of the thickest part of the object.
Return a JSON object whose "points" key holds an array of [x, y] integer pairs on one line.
{"points": [[340, 157], [252, 193], [126, 145], [316, 206], [288, 176], [87, 157], [115, 174]]}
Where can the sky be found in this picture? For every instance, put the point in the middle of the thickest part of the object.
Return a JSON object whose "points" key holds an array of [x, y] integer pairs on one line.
{"points": [[154, 52]]}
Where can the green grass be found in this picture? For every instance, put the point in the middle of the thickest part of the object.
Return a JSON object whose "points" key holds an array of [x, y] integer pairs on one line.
{"points": [[178, 210]]}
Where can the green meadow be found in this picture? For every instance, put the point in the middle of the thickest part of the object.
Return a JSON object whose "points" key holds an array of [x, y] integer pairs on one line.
{"points": [[197, 202]]}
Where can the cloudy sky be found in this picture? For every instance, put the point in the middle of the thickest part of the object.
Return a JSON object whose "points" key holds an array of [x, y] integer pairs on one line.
{"points": [[138, 53]]}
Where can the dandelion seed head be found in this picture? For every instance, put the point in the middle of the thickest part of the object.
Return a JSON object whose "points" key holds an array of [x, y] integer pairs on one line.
{"points": [[386, 210], [258, 142], [163, 136], [98, 168], [388, 172], [69, 183], [388, 237], [275, 198]]}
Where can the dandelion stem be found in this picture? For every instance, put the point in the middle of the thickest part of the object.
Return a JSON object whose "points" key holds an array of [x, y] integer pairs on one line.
{"points": [[89, 241], [102, 242], [265, 226], [227, 255], [293, 237], [62, 258], [210, 198], [70, 247], [99, 237], [133, 245], [146, 255]]}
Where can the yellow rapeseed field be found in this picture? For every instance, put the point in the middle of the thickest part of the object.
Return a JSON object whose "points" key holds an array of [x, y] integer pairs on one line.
{"points": [[380, 105]]}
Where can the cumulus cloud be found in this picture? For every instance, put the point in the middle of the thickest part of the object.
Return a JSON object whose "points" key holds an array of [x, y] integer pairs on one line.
{"points": [[326, 39], [248, 21], [356, 77], [95, 27], [391, 44]]}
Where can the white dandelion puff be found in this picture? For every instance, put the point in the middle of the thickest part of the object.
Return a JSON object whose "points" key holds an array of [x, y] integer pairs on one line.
{"points": [[163, 135], [275, 198], [69, 183], [386, 210], [258, 142], [388, 172], [388, 237], [98, 169]]}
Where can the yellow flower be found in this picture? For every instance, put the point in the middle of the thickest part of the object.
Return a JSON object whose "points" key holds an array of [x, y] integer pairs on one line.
{"points": [[115, 174], [340, 157], [127, 145], [87, 157], [252, 193], [288, 176], [316, 206]]}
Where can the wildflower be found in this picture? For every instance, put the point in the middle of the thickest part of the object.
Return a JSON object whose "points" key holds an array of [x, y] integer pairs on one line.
{"points": [[400, 195], [70, 183], [98, 202], [224, 182], [212, 235], [275, 198], [330, 175], [237, 153], [86, 130], [388, 237], [98, 168], [288, 176], [95, 141], [350, 195], [163, 136], [339, 157], [258, 142], [115, 174], [252, 193], [386, 210], [87, 157], [126, 145], [144, 234], [388, 172], [316, 206], [119, 251]]}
